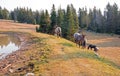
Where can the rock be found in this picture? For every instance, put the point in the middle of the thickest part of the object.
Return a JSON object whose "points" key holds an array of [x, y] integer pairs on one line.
{"points": [[11, 70], [30, 74]]}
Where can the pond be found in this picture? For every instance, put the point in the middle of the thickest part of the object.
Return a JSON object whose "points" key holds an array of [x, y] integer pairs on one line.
{"points": [[8, 44]]}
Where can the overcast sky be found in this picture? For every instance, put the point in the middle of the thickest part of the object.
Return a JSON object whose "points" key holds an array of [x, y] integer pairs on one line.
{"points": [[47, 4]]}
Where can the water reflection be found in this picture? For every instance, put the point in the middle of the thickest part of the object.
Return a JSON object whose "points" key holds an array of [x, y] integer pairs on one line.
{"points": [[8, 44]]}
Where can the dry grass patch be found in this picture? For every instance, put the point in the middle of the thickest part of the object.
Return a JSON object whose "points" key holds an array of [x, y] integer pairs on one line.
{"points": [[76, 67]]}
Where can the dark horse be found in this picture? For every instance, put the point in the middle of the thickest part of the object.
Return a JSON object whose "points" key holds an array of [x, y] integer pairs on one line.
{"points": [[80, 39], [91, 46], [57, 31], [94, 47]]}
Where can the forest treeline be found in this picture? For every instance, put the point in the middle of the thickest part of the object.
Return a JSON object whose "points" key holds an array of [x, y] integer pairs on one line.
{"points": [[68, 19]]}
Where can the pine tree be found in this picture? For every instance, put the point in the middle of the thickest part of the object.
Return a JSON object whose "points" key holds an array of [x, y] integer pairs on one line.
{"points": [[60, 20], [84, 19], [75, 18], [109, 18], [71, 26], [93, 17], [115, 17], [47, 21], [4, 14], [60, 17], [53, 19], [37, 16], [0, 12], [42, 22]]}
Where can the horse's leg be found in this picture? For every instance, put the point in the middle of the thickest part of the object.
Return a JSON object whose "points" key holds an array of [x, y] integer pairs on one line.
{"points": [[79, 44], [75, 41], [58, 35]]}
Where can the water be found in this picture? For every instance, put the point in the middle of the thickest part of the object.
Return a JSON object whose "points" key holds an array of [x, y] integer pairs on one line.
{"points": [[8, 44]]}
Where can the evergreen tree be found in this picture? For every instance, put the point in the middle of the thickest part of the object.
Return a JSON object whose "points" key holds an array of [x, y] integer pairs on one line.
{"points": [[109, 18], [117, 31], [95, 19], [71, 27], [60, 17], [47, 21], [64, 26], [1, 12], [115, 18], [75, 18], [37, 16], [42, 22], [53, 19], [69, 22], [83, 17], [91, 19], [100, 21], [60, 20], [4, 13]]}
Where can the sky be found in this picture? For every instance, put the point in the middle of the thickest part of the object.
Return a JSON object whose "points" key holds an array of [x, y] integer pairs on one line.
{"points": [[47, 4]]}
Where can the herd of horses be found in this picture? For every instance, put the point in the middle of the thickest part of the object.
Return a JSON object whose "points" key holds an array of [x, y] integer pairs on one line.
{"points": [[79, 38]]}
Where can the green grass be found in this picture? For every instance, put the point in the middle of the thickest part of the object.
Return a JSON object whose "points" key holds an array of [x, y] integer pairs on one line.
{"points": [[66, 44]]}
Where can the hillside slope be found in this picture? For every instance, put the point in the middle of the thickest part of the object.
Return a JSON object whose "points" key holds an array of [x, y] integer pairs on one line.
{"points": [[52, 56], [65, 59]]}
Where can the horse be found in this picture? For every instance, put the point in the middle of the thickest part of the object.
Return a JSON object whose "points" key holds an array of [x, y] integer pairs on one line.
{"points": [[80, 39], [58, 31], [94, 47]]}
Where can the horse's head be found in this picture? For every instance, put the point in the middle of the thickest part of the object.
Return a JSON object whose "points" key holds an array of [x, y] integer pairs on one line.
{"points": [[83, 35]]}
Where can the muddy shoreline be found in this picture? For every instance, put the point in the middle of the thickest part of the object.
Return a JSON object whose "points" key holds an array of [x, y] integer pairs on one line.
{"points": [[16, 57]]}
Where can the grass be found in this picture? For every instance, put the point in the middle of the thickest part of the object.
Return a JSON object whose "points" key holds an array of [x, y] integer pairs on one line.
{"points": [[85, 54], [70, 56], [66, 44]]}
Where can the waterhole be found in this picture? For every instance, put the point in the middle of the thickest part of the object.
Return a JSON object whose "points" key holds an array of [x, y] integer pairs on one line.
{"points": [[8, 44]]}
